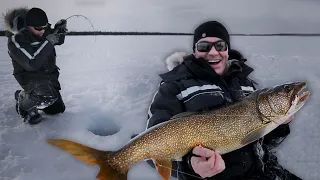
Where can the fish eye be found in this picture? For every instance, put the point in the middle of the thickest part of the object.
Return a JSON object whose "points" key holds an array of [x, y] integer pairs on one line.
{"points": [[287, 88]]}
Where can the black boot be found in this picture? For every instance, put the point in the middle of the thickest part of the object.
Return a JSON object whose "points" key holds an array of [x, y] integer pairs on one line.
{"points": [[16, 94], [20, 111], [33, 117]]}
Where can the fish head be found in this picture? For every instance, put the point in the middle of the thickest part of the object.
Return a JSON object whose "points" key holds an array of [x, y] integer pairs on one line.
{"points": [[280, 102]]}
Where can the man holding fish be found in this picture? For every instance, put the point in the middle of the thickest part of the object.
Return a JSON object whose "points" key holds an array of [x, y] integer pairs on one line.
{"points": [[214, 76], [206, 120]]}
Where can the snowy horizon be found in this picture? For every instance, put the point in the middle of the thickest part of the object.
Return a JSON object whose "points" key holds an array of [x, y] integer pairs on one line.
{"points": [[108, 81], [247, 16]]}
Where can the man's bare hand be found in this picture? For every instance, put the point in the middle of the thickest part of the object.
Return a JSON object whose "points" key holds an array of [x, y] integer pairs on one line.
{"points": [[202, 166]]}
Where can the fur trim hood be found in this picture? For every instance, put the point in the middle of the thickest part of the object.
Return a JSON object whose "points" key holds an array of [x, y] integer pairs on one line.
{"points": [[14, 19], [175, 59]]}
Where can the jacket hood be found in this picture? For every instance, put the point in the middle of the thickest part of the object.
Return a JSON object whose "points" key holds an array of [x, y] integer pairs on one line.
{"points": [[181, 65], [14, 19]]}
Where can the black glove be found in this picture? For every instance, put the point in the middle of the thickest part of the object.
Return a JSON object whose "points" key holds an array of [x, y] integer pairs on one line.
{"points": [[61, 26], [53, 38]]}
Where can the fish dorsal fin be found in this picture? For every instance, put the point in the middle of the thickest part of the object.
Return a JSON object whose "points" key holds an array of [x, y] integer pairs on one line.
{"points": [[258, 133], [163, 166], [183, 114]]}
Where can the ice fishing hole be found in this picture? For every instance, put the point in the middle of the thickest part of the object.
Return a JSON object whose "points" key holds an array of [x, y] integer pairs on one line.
{"points": [[103, 127]]}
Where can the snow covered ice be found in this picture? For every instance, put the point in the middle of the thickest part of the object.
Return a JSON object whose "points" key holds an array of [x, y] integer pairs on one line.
{"points": [[109, 81]]}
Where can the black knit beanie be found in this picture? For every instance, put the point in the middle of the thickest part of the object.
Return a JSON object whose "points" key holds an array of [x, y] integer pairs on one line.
{"points": [[211, 29], [36, 17]]}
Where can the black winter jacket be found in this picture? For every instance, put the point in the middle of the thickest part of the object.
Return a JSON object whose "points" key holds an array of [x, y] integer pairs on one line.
{"points": [[33, 58], [194, 86]]}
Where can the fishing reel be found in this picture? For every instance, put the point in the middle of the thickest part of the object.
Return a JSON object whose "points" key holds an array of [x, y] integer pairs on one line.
{"points": [[61, 28]]}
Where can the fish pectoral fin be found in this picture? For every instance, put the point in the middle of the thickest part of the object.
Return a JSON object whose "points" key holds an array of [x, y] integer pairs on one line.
{"points": [[163, 166], [255, 134], [183, 114]]}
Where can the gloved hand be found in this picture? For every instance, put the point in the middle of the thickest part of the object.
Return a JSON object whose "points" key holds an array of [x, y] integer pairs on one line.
{"points": [[53, 38], [61, 26]]}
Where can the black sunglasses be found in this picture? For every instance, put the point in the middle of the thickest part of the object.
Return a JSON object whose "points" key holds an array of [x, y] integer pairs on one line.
{"points": [[40, 28], [205, 46]]}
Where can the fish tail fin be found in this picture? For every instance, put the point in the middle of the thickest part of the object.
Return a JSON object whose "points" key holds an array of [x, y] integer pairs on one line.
{"points": [[92, 157]]}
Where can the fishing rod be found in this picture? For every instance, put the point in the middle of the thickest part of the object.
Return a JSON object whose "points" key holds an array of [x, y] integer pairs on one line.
{"points": [[79, 15]]}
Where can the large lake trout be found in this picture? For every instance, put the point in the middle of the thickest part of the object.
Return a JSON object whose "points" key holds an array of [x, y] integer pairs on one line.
{"points": [[223, 130]]}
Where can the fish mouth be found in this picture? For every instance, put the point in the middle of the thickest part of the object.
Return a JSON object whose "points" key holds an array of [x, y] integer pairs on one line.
{"points": [[299, 97]]}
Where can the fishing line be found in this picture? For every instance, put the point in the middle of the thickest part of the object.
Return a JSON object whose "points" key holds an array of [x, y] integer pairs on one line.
{"points": [[181, 172], [79, 15]]}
